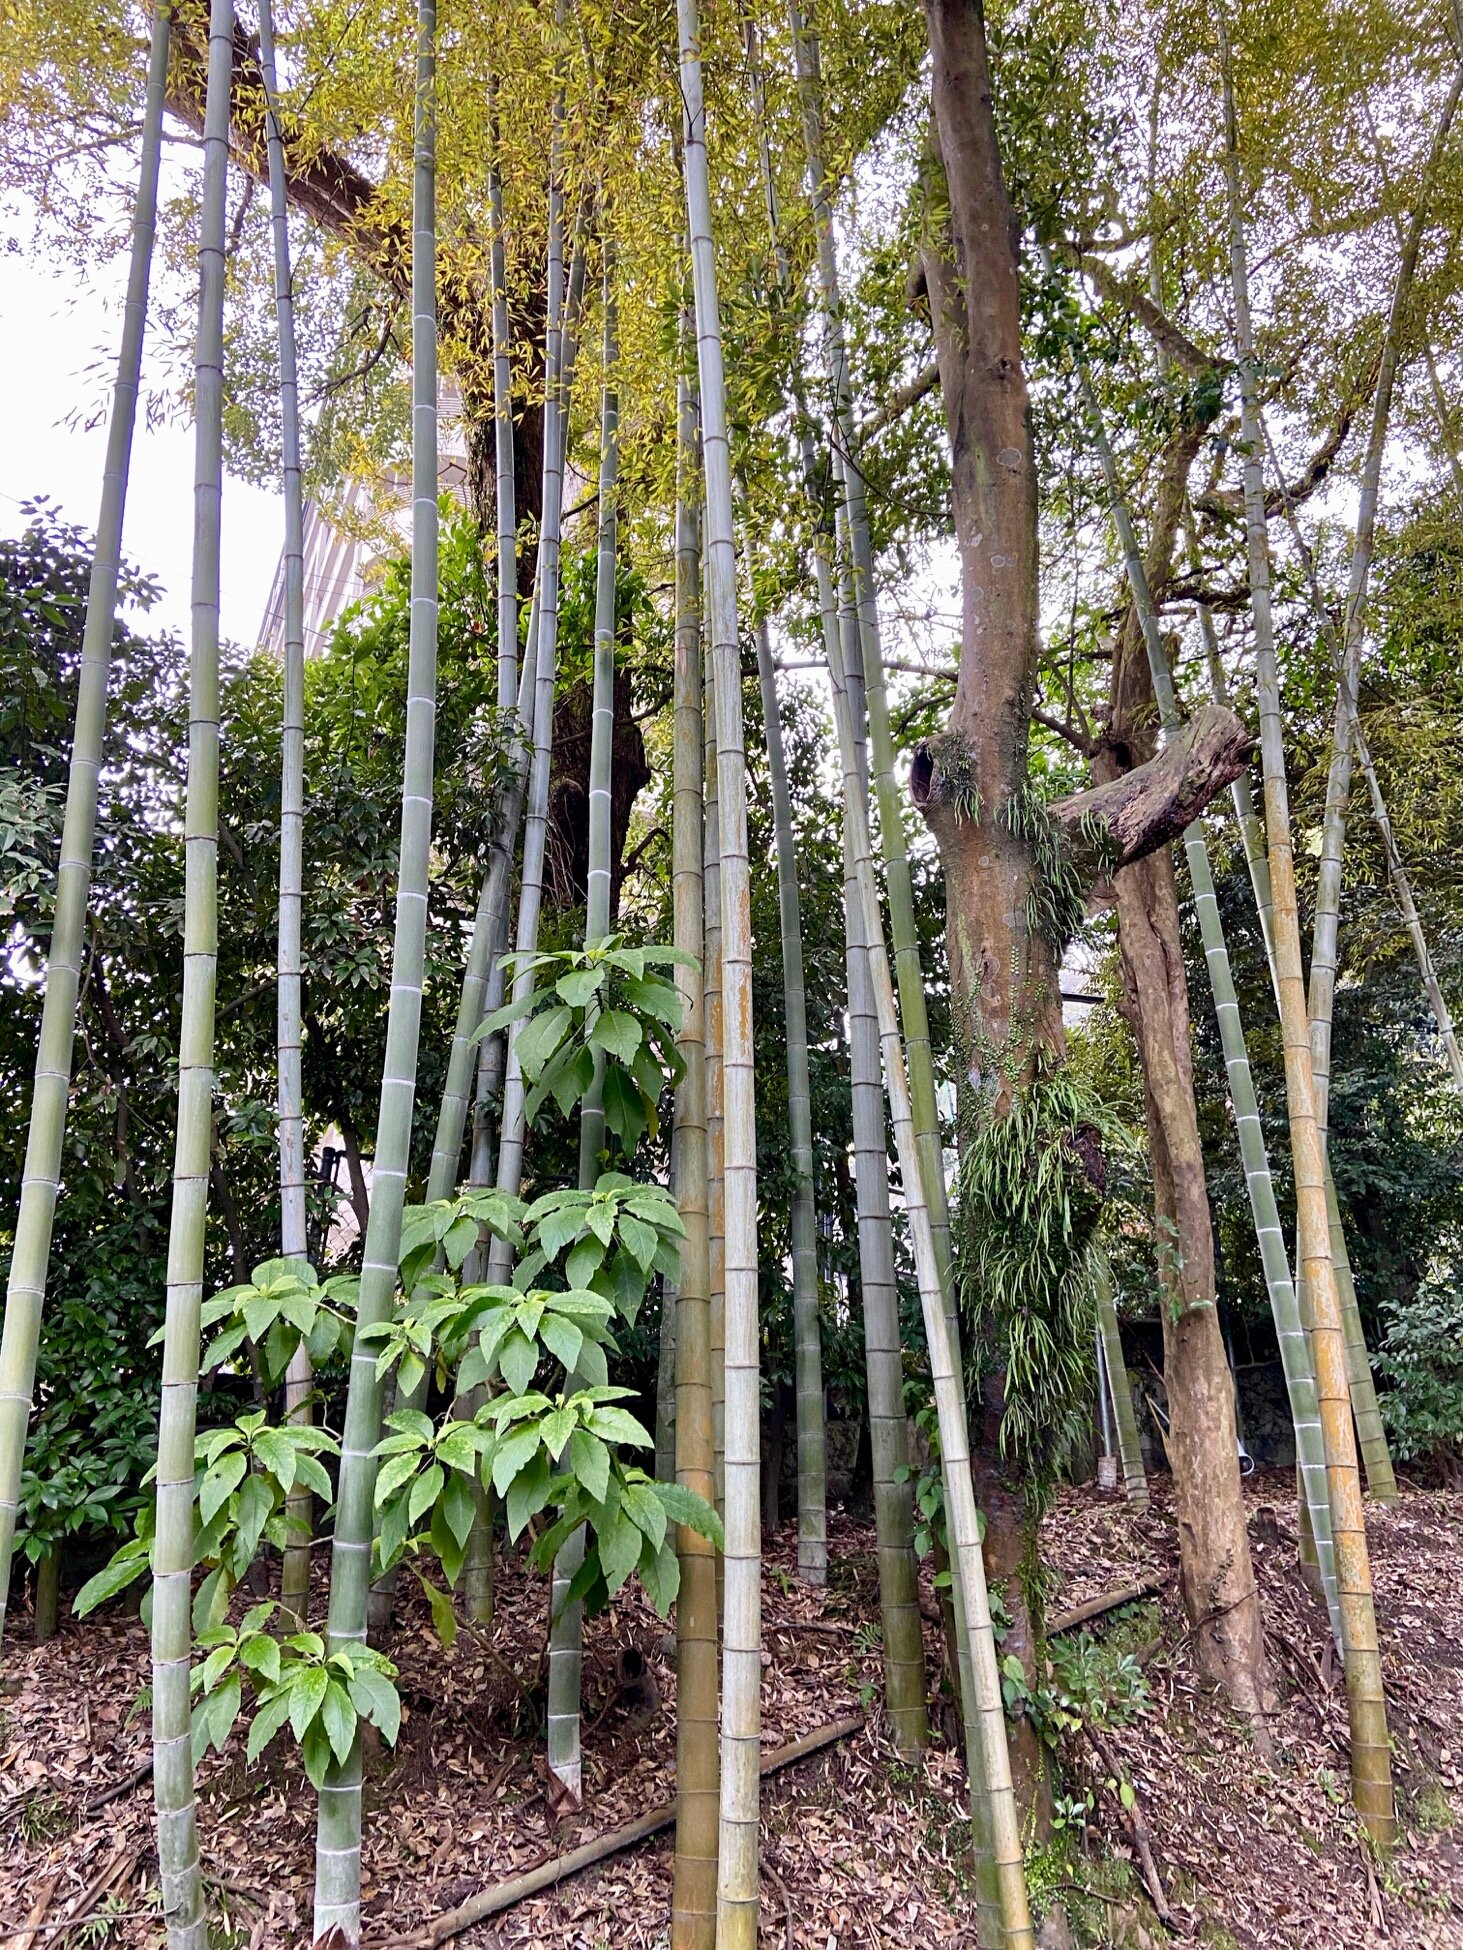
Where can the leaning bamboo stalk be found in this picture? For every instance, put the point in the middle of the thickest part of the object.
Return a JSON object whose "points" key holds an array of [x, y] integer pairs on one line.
{"points": [[294, 1586], [1370, 1430], [961, 1514], [1371, 1772], [807, 1343], [1130, 1451], [741, 1638], [693, 1902], [1295, 1352], [893, 842], [338, 1839], [715, 1180], [41, 1175], [179, 1870], [1338, 780], [903, 1640], [567, 1627]]}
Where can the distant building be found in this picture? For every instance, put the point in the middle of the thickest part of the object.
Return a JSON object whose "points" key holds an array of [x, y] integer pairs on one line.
{"points": [[340, 568]]}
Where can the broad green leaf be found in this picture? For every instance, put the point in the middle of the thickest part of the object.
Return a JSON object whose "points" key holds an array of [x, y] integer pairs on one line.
{"points": [[528, 1494], [580, 986], [684, 1506], [424, 1492], [641, 1240], [660, 1573], [339, 1717], [563, 1340], [444, 1618], [645, 1510], [518, 1360], [537, 1040], [272, 1714], [376, 1699], [316, 1752], [616, 1425], [220, 1483], [513, 1454], [307, 1695], [619, 1551], [618, 1033]]}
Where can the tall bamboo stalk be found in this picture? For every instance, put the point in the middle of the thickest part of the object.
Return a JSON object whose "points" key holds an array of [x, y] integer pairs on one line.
{"points": [[1295, 1352], [1370, 1430], [566, 1630], [41, 1175], [1130, 1450], [991, 1774], [715, 1121], [565, 299], [338, 1839], [693, 1903], [294, 1587], [807, 1342], [741, 1638], [179, 1869], [1370, 1757], [505, 483], [1338, 780], [893, 841], [903, 1641], [904, 1666]]}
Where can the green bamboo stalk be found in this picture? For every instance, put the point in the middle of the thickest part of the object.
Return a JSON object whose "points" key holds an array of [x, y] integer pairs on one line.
{"points": [[566, 1630], [903, 1633], [807, 1342], [1130, 1450], [41, 1176], [1370, 1756], [505, 485], [741, 1638], [1327, 917], [179, 1869], [893, 840], [294, 1586], [338, 1839], [715, 1180], [693, 1902], [991, 1773], [1295, 1353], [565, 299]]}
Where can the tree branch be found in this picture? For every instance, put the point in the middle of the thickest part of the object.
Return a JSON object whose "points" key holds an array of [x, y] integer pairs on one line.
{"points": [[1110, 826], [1170, 339]]}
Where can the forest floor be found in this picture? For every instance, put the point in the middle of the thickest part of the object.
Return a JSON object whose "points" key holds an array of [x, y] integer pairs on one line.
{"points": [[859, 1848]]}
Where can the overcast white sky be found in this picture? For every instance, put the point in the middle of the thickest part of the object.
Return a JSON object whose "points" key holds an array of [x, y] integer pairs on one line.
{"points": [[52, 335]]}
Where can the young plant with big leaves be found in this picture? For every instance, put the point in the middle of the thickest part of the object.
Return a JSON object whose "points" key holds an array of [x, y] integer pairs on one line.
{"points": [[243, 1475], [603, 1008], [295, 1682]]}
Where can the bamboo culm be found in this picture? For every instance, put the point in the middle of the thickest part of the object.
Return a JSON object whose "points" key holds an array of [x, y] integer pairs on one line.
{"points": [[1295, 1351], [566, 1630], [693, 1902], [338, 1840], [565, 297], [1115, 1369], [914, 1015], [294, 1590], [991, 1773], [1371, 1773], [505, 483], [808, 1349], [1370, 1431], [41, 1176], [179, 1869], [737, 1866]]}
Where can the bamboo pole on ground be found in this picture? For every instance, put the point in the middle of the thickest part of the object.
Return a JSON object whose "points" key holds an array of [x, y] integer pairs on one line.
{"points": [[294, 1585], [693, 1902], [338, 1838], [179, 1869], [41, 1174], [737, 1867], [1371, 1772]]}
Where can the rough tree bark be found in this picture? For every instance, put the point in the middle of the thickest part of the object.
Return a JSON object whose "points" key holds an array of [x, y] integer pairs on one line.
{"points": [[1003, 976]]}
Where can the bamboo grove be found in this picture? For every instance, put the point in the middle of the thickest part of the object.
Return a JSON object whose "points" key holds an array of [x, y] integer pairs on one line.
{"points": [[744, 319]]}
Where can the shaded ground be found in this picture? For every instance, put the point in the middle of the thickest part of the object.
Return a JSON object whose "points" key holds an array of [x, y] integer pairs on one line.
{"points": [[859, 1849]]}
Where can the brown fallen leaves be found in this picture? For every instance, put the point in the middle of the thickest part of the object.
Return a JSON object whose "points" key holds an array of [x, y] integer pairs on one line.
{"points": [[859, 1848]]}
